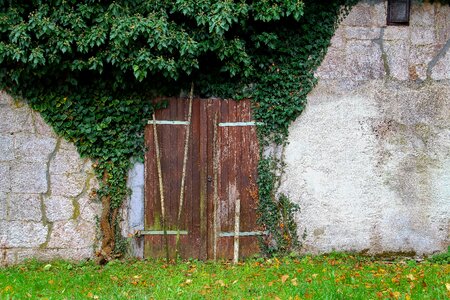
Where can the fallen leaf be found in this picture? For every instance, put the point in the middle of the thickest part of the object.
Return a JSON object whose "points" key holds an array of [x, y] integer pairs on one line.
{"points": [[8, 288], [411, 277], [284, 278], [220, 282], [294, 282], [447, 285], [51, 281], [396, 295], [47, 267], [188, 281], [314, 275]]}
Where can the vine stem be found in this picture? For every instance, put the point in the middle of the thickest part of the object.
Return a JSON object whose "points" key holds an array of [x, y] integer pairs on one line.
{"points": [[161, 187], [183, 174]]}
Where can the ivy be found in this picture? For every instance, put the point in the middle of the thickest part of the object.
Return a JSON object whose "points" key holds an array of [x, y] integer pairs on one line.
{"points": [[91, 67]]}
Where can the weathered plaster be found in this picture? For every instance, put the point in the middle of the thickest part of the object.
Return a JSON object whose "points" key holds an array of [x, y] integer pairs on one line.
{"points": [[369, 159]]}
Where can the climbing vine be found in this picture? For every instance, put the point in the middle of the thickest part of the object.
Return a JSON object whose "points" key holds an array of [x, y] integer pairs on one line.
{"points": [[91, 67]]}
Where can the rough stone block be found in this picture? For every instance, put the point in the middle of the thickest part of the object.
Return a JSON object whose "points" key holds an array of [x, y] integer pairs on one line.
{"points": [[33, 148], [395, 33], [5, 177], [72, 234], [379, 14], [41, 127], [364, 60], [362, 33], [3, 205], [6, 148], [3, 233], [397, 53], [15, 119], [422, 15], [68, 185], [422, 54], [25, 234], [65, 145], [58, 208], [359, 16], [9, 258], [24, 207], [338, 39], [333, 66], [89, 209], [5, 99], [422, 36], [420, 57], [66, 162], [52, 254], [443, 24], [441, 69], [29, 178]]}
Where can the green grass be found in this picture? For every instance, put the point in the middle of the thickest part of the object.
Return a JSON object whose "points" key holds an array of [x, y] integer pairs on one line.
{"points": [[336, 276]]}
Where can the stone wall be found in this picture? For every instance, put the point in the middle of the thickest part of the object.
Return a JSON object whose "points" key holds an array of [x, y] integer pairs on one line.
{"points": [[45, 208], [369, 160]]}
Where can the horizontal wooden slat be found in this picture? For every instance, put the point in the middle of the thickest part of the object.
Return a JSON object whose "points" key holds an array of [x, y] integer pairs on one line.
{"points": [[167, 122], [160, 232], [235, 124], [244, 233]]}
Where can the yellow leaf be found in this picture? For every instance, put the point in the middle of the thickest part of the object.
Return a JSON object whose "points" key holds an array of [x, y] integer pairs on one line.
{"points": [[294, 282], [314, 275], [277, 298], [284, 278], [188, 281], [220, 282], [407, 297], [8, 288], [411, 277], [447, 285], [396, 295], [51, 281]]}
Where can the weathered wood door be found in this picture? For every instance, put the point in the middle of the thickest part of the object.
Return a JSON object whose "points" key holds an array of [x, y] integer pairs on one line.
{"points": [[218, 214]]}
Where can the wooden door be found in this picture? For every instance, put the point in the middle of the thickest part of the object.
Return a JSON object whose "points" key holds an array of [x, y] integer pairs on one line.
{"points": [[218, 211]]}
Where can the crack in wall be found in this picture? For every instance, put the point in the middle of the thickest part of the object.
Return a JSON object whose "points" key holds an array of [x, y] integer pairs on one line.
{"points": [[437, 58]]}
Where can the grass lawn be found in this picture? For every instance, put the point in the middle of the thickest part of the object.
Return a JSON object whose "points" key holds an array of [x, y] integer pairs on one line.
{"points": [[335, 276]]}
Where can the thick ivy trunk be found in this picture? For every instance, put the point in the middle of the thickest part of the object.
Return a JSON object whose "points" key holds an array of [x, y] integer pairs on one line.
{"points": [[107, 221]]}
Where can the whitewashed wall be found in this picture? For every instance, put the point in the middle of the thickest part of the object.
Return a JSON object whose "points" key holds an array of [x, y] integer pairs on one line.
{"points": [[369, 160]]}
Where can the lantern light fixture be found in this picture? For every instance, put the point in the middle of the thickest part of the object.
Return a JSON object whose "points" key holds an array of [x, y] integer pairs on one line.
{"points": [[398, 12]]}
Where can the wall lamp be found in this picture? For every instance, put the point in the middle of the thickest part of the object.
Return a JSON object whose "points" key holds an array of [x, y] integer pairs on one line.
{"points": [[398, 12]]}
